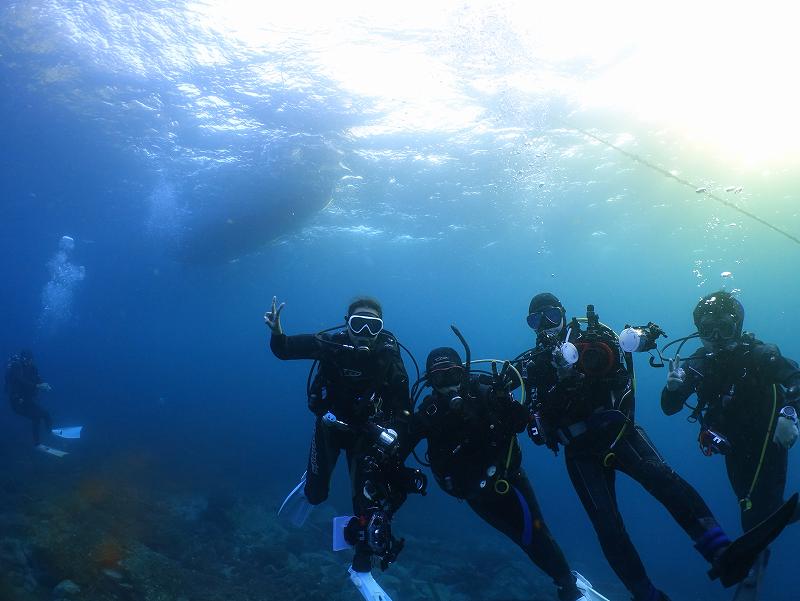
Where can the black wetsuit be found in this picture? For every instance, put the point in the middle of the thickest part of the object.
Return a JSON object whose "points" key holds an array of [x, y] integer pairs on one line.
{"points": [[474, 455], [590, 411], [22, 382], [740, 394], [359, 388]]}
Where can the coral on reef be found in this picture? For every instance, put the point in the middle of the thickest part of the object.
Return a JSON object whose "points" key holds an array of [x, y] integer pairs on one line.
{"points": [[103, 533]]}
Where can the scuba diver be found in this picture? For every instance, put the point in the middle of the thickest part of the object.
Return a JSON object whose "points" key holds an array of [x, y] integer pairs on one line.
{"points": [[23, 384], [580, 388], [360, 396], [470, 421], [748, 395]]}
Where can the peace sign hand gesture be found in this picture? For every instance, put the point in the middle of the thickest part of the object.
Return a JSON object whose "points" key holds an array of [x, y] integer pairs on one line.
{"points": [[273, 317], [676, 375]]}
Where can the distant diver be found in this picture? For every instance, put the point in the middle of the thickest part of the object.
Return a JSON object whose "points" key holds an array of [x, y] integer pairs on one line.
{"points": [[360, 396], [580, 387], [748, 395], [470, 422], [23, 384]]}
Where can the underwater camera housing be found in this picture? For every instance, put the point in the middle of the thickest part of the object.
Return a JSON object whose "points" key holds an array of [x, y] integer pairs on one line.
{"points": [[387, 481], [713, 442], [536, 429], [640, 339], [384, 442], [374, 530]]}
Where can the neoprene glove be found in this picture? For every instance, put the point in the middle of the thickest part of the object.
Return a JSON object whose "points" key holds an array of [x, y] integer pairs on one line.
{"points": [[786, 432], [676, 375]]}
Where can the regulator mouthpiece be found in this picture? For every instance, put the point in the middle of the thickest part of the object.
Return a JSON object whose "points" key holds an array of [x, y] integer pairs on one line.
{"points": [[566, 353]]}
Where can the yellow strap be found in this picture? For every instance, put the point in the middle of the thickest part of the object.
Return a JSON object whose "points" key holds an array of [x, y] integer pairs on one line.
{"points": [[624, 426], [510, 449], [505, 471], [621, 432], [745, 502]]}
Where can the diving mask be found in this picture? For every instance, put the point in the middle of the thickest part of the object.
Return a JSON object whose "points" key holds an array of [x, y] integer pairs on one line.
{"points": [[713, 326], [545, 318], [365, 325], [447, 377]]}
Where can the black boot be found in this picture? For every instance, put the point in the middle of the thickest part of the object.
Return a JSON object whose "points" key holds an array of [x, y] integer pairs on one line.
{"points": [[655, 595], [733, 564], [569, 593]]}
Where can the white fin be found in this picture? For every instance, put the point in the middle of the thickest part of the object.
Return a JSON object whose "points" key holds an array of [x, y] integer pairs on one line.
{"points": [[366, 585], [295, 506], [50, 450], [585, 587], [71, 432], [339, 524]]}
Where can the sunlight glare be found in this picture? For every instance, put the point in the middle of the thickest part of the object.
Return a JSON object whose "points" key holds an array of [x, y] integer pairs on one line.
{"points": [[719, 75]]}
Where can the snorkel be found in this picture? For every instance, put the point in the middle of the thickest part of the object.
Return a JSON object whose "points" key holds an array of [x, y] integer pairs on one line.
{"points": [[467, 353]]}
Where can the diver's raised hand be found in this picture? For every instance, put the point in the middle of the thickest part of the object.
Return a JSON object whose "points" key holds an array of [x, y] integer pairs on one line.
{"points": [[677, 375], [273, 317]]}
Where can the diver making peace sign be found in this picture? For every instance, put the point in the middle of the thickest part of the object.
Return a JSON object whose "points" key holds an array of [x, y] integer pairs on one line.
{"points": [[580, 388]]}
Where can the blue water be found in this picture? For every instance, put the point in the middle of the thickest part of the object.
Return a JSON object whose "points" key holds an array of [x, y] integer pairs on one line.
{"points": [[196, 190]]}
